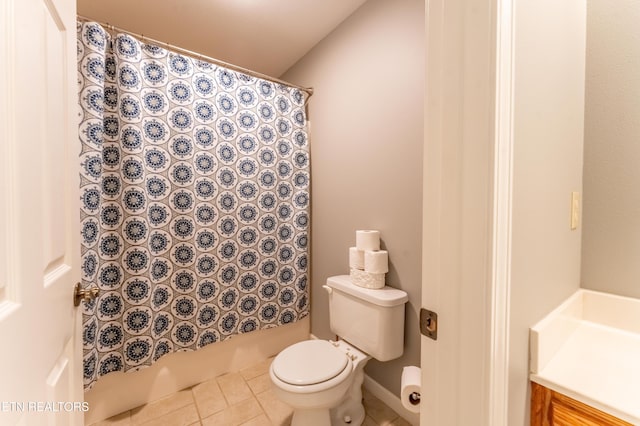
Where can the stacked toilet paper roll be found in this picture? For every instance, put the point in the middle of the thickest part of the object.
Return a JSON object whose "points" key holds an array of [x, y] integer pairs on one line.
{"points": [[368, 240], [356, 258], [376, 262], [367, 262]]}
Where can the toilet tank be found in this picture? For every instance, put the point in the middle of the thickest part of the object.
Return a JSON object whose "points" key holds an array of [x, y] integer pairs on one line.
{"points": [[370, 319]]}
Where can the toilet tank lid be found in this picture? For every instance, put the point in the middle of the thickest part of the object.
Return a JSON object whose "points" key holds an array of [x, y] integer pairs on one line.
{"points": [[385, 296]]}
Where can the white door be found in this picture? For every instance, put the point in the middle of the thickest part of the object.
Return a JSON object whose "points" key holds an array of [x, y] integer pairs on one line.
{"points": [[466, 215], [40, 359]]}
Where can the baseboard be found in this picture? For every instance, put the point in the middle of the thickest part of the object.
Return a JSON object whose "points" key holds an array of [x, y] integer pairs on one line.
{"points": [[391, 400]]}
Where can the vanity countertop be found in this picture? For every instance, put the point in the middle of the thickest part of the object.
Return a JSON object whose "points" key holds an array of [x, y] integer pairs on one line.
{"points": [[589, 349]]}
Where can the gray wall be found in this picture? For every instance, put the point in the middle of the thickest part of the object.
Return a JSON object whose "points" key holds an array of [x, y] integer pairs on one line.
{"points": [[548, 132], [366, 149], [611, 236]]}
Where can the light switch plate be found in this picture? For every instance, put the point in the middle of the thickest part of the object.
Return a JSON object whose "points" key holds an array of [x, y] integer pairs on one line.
{"points": [[575, 210]]}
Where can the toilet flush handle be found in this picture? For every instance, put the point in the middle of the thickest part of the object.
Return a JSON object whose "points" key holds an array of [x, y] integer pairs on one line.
{"points": [[329, 289]]}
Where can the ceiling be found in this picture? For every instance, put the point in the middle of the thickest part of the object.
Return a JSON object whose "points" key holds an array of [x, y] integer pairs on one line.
{"points": [[267, 36]]}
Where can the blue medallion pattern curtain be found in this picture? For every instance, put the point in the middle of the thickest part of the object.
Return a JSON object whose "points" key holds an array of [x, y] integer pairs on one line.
{"points": [[194, 202]]}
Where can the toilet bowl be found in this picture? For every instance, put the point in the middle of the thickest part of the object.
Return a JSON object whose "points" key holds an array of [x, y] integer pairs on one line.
{"points": [[321, 380]]}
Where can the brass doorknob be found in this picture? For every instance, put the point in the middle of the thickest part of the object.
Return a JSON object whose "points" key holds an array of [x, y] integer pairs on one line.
{"points": [[86, 294]]}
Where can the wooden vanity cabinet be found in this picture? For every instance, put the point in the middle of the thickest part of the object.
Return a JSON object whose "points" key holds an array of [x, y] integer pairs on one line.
{"points": [[550, 408]]}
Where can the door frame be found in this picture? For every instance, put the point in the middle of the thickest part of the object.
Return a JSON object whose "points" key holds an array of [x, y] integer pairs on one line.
{"points": [[467, 210], [502, 213]]}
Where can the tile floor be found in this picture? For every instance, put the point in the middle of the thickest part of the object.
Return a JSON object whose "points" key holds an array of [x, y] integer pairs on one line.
{"points": [[242, 398]]}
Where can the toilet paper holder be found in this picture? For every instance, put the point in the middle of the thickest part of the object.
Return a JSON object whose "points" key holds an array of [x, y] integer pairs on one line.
{"points": [[411, 388]]}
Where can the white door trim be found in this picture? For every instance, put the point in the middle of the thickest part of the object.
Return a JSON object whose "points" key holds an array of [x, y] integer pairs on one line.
{"points": [[502, 215]]}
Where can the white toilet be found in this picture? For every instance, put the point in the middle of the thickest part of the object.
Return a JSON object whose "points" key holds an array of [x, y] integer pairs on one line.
{"points": [[322, 379]]}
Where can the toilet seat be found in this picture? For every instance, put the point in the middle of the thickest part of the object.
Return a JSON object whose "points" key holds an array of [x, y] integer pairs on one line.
{"points": [[311, 366]]}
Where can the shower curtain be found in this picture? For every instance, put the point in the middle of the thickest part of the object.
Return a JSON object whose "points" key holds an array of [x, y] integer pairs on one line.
{"points": [[194, 201]]}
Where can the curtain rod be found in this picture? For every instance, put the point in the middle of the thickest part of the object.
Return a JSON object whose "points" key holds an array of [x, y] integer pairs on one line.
{"points": [[176, 49]]}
